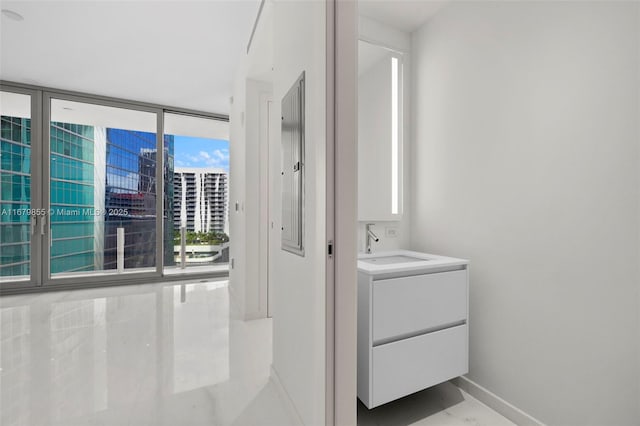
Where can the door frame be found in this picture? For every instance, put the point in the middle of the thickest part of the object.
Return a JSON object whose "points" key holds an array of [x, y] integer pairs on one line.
{"points": [[47, 279], [265, 178], [341, 213]]}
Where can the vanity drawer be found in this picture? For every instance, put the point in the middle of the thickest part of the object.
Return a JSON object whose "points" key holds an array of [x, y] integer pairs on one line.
{"points": [[407, 366], [410, 305]]}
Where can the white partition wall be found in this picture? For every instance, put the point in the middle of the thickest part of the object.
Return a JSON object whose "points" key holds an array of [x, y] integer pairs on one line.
{"points": [[292, 38], [299, 298]]}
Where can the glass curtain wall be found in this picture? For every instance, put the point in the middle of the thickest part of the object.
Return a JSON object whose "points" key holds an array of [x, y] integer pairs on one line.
{"points": [[102, 180], [15, 187], [196, 194], [80, 200]]}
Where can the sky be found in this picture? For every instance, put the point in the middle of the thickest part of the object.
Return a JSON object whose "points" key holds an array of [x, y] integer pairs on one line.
{"points": [[201, 152]]}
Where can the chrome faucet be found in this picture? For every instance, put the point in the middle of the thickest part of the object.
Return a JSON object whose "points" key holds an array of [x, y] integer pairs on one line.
{"points": [[370, 236]]}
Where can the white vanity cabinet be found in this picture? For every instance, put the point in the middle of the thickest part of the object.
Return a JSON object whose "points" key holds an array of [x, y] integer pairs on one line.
{"points": [[412, 325]]}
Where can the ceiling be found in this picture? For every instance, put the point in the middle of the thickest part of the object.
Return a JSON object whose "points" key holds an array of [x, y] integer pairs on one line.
{"points": [[19, 105], [175, 53], [405, 15]]}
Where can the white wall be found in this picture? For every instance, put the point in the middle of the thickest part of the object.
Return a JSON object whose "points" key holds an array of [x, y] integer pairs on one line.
{"points": [[255, 176], [253, 77], [237, 188], [290, 39], [383, 35], [526, 161], [299, 282]]}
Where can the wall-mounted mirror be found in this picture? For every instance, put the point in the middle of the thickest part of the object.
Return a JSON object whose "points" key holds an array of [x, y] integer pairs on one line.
{"points": [[379, 133]]}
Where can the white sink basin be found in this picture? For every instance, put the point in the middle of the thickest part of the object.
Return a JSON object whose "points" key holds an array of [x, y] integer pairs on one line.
{"points": [[403, 261], [390, 260]]}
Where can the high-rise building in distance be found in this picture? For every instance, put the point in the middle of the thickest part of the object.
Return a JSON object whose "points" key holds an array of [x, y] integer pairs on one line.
{"points": [[15, 194], [200, 199], [92, 169]]}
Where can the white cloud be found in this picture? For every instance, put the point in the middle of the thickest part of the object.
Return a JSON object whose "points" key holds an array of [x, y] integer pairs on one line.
{"points": [[218, 158], [221, 154]]}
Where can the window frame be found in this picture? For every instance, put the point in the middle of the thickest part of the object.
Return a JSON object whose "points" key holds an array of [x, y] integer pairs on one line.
{"points": [[41, 279]]}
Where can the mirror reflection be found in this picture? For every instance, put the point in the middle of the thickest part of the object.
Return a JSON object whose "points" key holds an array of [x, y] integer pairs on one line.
{"points": [[379, 133]]}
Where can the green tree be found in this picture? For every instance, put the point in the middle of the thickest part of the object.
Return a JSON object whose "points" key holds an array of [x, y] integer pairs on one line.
{"points": [[206, 238]]}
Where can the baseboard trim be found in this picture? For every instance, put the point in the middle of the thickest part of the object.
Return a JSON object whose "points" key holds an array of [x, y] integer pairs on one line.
{"points": [[288, 402], [496, 403]]}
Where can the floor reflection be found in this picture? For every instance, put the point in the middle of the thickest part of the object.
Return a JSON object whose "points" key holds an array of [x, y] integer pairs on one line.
{"points": [[15, 362], [141, 355], [200, 331]]}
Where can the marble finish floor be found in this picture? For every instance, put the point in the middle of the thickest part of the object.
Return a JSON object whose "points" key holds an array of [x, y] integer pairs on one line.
{"points": [[441, 405], [164, 355], [146, 355]]}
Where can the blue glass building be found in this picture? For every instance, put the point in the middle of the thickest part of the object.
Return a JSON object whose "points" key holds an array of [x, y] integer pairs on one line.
{"points": [[101, 179]]}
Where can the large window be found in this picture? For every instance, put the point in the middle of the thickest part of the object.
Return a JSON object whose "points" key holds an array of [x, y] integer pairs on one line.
{"points": [[102, 189], [91, 191], [196, 194], [15, 187]]}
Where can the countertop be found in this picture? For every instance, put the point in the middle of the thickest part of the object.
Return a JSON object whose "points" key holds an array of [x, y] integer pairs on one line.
{"points": [[431, 261]]}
